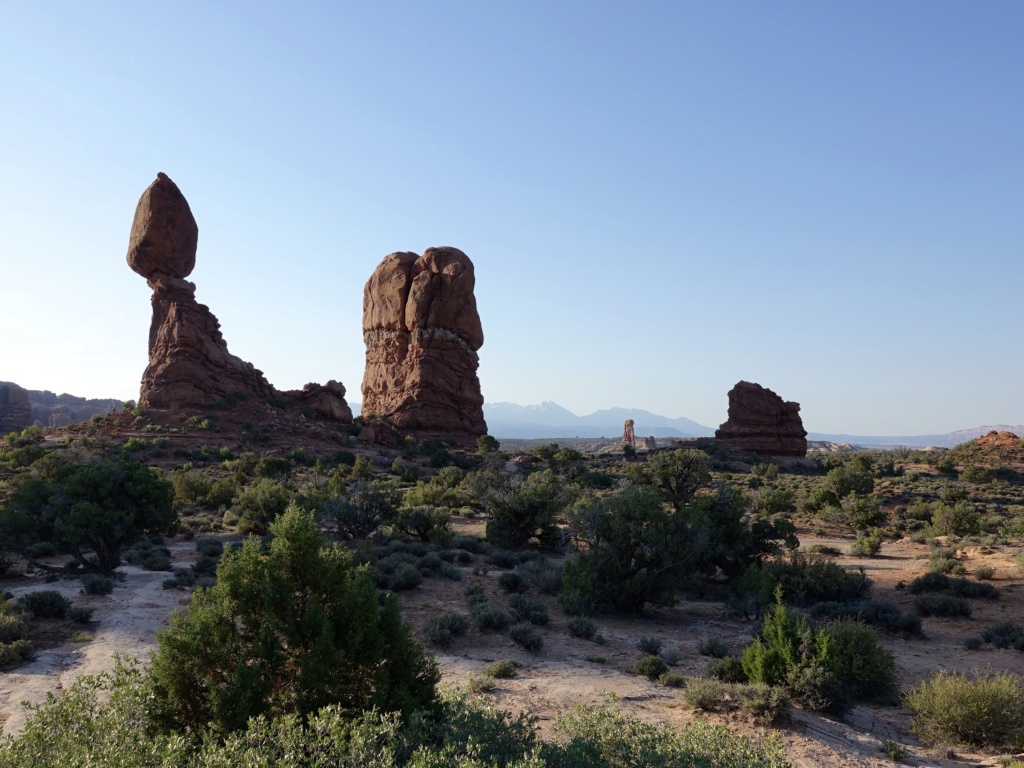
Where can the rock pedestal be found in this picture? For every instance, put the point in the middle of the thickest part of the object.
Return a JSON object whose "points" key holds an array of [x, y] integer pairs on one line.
{"points": [[760, 422], [422, 332], [628, 437]]}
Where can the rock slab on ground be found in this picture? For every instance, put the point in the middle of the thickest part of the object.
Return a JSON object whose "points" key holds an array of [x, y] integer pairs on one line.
{"points": [[422, 332]]}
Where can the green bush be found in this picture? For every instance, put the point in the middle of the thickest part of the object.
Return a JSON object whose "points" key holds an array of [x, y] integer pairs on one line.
{"points": [[651, 667], [273, 468], [526, 636], [703, 693], [942, 605], [649, 645], [728, 670], [487, 616], [501, 669], [1005, 634], [45, 604], [95, 584], [405, 577], [191, 486], [311, 627], [582, 627], [715, 647], [867, 545], [765, 704], [866, 669], [12, 627], [442, 630], [512, 582], [878, 613], [41, 549], [80, 614], [984, 712], [959, 519], [528, 509], [529, 609], [260, 504], [361, 509], [210, 547], [984, 572], [806, 579], [15, 653], [425, 522]]}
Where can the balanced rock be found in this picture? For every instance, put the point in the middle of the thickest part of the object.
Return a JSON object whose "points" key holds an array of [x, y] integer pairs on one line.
{"points": [[628, 436], [761, 422], [422, 332], [189, 361], [15, 408]]}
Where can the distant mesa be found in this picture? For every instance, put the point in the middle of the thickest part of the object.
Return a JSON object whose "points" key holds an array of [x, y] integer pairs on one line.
{"points": [[15, 408], [760, 422], [189, 362], [422, 332], [52, 410]]}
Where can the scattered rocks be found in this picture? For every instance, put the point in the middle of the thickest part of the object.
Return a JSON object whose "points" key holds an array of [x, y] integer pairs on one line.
{"points": [[422, 332], [15, 408], [761, 422]]}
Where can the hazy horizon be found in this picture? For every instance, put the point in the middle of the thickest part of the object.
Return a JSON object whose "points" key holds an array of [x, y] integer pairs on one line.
{"points": [[660, 200]]}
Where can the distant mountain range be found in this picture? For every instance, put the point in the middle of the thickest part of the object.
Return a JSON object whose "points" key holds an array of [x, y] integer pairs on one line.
{"points": [[550, 420]]}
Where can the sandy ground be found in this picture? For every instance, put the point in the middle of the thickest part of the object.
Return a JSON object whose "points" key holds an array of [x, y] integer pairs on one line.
{"points": [[568, 669]]}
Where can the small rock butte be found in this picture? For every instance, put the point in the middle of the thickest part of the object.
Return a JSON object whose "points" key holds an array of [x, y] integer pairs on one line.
{"points": [[762, 423]]}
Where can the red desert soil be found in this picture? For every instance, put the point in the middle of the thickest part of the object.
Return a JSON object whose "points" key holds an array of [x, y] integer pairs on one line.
{"points": [[565, 670]]}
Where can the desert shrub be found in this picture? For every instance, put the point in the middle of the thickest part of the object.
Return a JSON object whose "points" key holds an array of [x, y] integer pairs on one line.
{"points": [[512, 582], [470, 544], [582, 627], [259, 504], [12, 627], [442, 630], [526, 509], [715, 647], [857, 512], [405, 577], [425, 522], [867, 545], [361, 509], [866, 669], [273, 468], [545, 577], [728, 670], [765, 704], [651, 667], [501, 669], [526, 636], [92, 511], [973, 643], [95, 584], [183, 578], [205, 566], [942, 605], [210, 547], [80, 614], [1005, 634], [824, 549], [488, 616], [984, 573], [45, 604], [976, 474], [954, 587], [649, 645], [41, 549], [503, 558], [191, 486], [222, 492], [529, 609], [672, 680], [341, 643], [984, 712], [878, 613], [958, 519], [810, 578], [703, 693], [15, 652], [144, 554]]}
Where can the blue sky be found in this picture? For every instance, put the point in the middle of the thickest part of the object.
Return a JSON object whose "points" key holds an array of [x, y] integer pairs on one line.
{"points": [[660, 199]]}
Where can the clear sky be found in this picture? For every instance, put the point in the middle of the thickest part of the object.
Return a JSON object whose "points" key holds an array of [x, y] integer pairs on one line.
{"points": [[660, 198]]}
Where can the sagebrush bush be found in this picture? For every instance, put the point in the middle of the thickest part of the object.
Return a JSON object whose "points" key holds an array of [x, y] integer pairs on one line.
{"points": [[12, 627], [442, 630], [986, 711], [649, 645], [651, 667], [715, 647], [210, 547], [95, 584], [529, 609], [405, 577], [527, 636], [80, 614], [728, 670], [765, 704], [703, 693], [513, 582], [1005, 634], [810, 578], [867, 545], [878, 613], [582, 627], [954, 587], [45, 604], [942, 605], [500, 669], [487, 616]]}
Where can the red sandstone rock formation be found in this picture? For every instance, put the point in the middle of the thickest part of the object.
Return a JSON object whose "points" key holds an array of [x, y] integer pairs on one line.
{"points": [[422, 332], [999, 439], [628, 437], [189, 362], [761, 422], [650, 443], [15, 408]]}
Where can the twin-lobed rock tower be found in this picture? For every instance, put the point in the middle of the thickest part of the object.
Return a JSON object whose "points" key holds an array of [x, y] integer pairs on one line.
{"points": [[420, 325]]}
